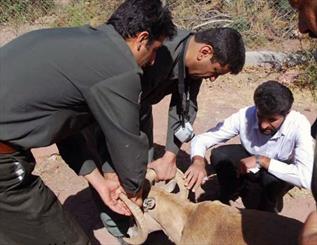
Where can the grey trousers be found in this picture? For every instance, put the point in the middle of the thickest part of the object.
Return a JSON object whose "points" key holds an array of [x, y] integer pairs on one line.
{"points": [[30, 213]]}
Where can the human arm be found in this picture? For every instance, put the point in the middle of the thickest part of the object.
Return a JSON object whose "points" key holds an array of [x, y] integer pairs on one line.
{"points": [[109, 189], [115, 105], [221, 133], [165, 166], [196, 173], [79, 151], [253, 164], [299, 172]]}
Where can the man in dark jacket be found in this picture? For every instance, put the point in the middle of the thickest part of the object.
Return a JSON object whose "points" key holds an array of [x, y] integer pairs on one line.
{"points": [[56, 82], [205, 54]]}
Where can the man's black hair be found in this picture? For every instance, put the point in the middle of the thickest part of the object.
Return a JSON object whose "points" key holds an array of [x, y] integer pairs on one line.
{"points": [[273, 98], [134, 16], [227, 44]]}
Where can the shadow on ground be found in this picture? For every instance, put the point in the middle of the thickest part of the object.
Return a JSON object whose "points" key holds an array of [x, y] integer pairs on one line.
{"points": [[83, 208]]}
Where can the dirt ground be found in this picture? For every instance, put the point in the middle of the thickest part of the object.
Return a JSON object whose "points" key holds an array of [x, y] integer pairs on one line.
{"points": [[217, 100]]}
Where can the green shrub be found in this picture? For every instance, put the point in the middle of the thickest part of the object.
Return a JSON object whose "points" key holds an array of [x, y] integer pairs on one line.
{"points": [[261, 22], [307, 79], [264, 24], [24, 10], [81, 12], [241, 24]]}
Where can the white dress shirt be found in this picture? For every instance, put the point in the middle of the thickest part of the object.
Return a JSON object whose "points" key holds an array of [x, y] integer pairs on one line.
{"points": [[291, 148]]}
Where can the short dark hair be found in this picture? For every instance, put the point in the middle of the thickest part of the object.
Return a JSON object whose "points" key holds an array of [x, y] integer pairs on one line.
{"points": [[227, 44], [134, 16], [273, 98]]}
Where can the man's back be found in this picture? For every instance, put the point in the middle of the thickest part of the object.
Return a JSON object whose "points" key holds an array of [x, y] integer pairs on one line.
{"points": [[51, 71]]}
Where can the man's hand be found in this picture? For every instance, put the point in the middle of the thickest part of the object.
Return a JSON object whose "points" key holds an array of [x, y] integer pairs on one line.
{"points": [[196, 173], [136, 198], [165, 167], [250, 162], [109, 189], [246, 164], [110, 192]]}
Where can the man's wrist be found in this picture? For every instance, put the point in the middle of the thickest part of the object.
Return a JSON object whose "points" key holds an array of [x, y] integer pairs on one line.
{"points": [[168, 155], [171, 147], [95, 179], [199, 160], [110, 176], [257, 161], [262, 161]]}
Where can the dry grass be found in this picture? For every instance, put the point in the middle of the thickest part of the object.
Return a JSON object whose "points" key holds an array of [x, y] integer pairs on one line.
{"points": [[261, 22]]}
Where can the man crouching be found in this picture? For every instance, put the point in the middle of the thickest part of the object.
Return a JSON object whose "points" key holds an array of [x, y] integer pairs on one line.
{"points": [[276, 151]]}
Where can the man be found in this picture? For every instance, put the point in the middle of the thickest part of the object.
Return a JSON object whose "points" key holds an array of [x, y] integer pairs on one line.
{"points": [[307, 16], [205, 54], [307, 23], [276, 151], [56, 82]]}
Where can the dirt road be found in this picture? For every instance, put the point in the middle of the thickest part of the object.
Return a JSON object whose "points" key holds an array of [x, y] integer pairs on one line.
{"points": [[216, 101]]}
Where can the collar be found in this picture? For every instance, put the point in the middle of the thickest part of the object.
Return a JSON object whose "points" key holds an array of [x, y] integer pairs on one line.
{"points": [[177, 50], [118, 41], [280, 132]]}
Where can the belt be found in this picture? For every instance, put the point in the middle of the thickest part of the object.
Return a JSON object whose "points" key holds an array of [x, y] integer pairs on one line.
{"points": [[6, 149]]}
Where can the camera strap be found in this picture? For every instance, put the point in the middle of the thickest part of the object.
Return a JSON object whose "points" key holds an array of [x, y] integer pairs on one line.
{"points": [[183, 89]]}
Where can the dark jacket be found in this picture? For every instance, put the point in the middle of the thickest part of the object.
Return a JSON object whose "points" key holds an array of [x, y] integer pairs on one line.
{"points": [[158, 81], [161, 79], [55, 82]]}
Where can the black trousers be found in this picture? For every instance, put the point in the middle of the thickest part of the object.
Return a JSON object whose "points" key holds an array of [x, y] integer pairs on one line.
{"points": [[30, 213], [262, 191]]}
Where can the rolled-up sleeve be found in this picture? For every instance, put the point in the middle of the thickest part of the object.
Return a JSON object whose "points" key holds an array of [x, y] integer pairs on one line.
{"points": [[115, 105], [298, 173], [224, 131]]}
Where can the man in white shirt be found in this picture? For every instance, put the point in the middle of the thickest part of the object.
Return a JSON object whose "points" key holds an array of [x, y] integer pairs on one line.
{"points": [[276, 151]]}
